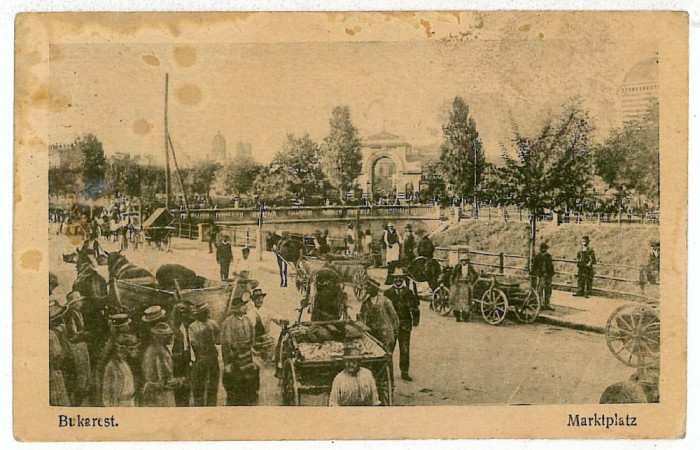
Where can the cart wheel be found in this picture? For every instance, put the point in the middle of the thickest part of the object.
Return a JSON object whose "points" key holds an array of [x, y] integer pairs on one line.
{"points": [[359, 280], [290, 386], [494, 305], [633, 334], [528, 310], [441, 301], [389, 384]]}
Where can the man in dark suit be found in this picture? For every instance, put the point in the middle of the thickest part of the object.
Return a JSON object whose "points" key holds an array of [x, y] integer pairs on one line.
{"points": [[585, 260], [542, 273], [224, 256], [406, 305]]}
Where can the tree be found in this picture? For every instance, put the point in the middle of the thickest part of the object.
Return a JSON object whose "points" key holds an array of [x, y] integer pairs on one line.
{"points": [[272, 186], [94, 164], [462, 158], [201, 177], [341, 155], [300, 160], [237, 177], [551, 170], [629, 159]]}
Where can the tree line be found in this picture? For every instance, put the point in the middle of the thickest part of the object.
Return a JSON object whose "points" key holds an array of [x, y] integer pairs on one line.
{"points": [[558, 168]]}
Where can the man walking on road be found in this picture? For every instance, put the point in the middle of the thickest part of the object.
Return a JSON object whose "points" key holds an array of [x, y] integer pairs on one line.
{"points": [[542, 273], [406, 305], [585, 260], [224, 256]]}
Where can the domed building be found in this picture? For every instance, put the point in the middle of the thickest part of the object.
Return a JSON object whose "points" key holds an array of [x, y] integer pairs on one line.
{"points": [[218, 148], [640, 87]]}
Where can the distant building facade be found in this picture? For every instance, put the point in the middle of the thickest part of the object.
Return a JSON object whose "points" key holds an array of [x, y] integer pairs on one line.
{"points": [[640, 87], [244, 150], [218, 148], [391, 166], [66, 156]]}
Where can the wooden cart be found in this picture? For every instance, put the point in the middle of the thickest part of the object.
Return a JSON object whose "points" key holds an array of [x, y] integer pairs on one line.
{"points": [[495, 297], [633, 334], [304, 373]]}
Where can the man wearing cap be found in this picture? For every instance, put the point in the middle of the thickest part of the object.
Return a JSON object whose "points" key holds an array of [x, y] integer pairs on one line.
{"points": [[241, 377], [462, 281], [406, 305], [426, 248], [379, 315], [585, 260], [408, 246], [59, 357], [224, 256], [118, 386], [264, 343], [159, 380], [118, 324], [355, 385], [542, 274], [75, 331], [204, 334], [392, 242]]}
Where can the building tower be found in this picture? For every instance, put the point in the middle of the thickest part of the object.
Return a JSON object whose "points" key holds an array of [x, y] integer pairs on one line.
{"points": [[639, 89], [218, 148]]}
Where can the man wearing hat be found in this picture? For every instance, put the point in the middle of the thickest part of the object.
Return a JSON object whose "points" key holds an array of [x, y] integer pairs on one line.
{"points": [[406, 305], [462, 281], [241, 377], [426, 248], [653, 266], [204, 333], [119, 324], [224, 256], [379, 315], [264, 343], [408, 246], [542, 274], [59, 357], [585, 260], [355, 385], [243, 264], [75, 331], [118, 386], [392, 243], [183, 354], [151, 317], [159, 380]]}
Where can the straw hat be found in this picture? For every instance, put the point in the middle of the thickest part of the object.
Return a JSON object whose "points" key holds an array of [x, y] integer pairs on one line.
{"points": [[153, 313]]}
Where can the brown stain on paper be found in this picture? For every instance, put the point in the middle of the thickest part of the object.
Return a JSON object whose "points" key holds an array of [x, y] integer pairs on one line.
{"points": [[189, 94], [31, 260], [525, 27], [185, 56], [426, 24], [142, 126], [151, 60]]}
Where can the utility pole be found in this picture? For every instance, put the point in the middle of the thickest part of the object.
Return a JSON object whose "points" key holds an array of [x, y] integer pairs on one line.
{"points": [[167, 152]]}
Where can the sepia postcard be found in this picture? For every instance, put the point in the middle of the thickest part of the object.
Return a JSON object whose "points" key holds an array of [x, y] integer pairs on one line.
{"points": [[350, 225]]}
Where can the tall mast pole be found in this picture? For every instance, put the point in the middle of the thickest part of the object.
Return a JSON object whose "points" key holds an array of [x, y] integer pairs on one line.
{"points": [[167, 152]]}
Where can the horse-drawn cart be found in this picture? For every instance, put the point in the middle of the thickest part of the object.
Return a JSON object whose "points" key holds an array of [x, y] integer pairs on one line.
{"points": [[137, 294], [494, 298], [311, 355]]}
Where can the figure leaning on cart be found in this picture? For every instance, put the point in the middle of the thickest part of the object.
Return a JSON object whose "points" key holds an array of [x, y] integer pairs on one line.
{"points": [[241, 377], [406, 305], [463, 278], [355, 385], [542, 274], [379, 315], [585, 260]]}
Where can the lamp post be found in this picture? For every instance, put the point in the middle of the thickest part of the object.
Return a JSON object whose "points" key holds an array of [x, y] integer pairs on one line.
{"points": [[369, 194]]}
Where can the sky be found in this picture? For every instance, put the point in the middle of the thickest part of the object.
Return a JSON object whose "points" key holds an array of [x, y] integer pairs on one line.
{"points": [[260, 92]]}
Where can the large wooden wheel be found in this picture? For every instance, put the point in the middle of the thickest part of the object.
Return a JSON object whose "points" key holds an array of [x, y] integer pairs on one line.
{"points": [[389, 384], [441, 301], [494, 306], [633, 334], [529, 308], [359, 280], [290, 385]]}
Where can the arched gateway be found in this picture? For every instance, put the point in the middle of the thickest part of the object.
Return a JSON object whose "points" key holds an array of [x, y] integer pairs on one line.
{"points": [[386, 168]]}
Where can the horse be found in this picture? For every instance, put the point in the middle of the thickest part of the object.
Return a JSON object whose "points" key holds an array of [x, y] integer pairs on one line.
{"points": [[327, 299], [423, 269], [120, 268], [287, 251]]}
